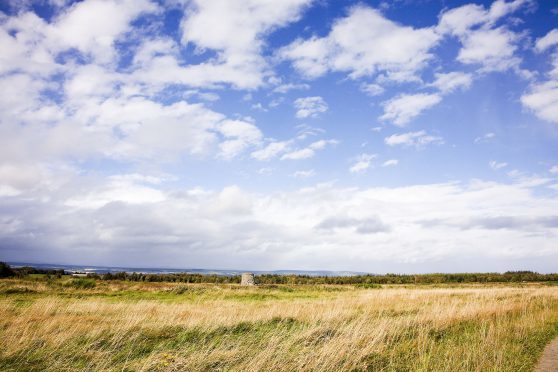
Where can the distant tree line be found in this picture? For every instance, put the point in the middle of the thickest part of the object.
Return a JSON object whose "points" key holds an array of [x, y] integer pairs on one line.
{"points": [[507, 277], [173, 278], [7, 271]]}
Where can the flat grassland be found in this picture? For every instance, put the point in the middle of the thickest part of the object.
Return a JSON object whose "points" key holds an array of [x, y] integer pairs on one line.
{"points": [[81, 324]]}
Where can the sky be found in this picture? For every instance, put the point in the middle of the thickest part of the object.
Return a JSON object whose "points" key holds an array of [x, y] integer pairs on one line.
{"points": [[376, 136]]}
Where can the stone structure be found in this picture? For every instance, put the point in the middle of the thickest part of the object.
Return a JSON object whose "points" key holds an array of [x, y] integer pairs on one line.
{"points": [[247, 279]]}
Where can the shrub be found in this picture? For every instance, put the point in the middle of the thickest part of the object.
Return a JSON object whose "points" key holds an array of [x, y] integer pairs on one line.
{"points": [[82, 283], [5, 270]]}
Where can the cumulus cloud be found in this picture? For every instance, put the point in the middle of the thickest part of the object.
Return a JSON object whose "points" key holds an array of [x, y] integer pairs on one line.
{"points": [[493, 48], [299, 228], [69, 100], [239, 135], [93, 26], [542, 99], [31, 45], [362, 44], [452, 81], [362, 163], [235, 30], [403, 108], [417, 139], [547, 41], [310, 107], [130, 189], [100, 98]]}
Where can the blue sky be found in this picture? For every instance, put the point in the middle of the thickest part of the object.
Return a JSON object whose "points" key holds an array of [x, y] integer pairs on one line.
{"points": [[404, 136]]}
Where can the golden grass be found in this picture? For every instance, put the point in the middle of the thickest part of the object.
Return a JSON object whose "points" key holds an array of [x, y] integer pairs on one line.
{"points": [[470, 328]]}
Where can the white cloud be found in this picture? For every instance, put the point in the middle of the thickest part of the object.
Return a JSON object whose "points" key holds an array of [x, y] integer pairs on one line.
{"points": [[93, 26], [362, 163], [542, 97], [239, 135], [276, 148], [547, 41], [299, 154], [390, 163], [492, 48], [362, 44], [321, 144], [372, 89], [24, 44], [459, 21], [377, 229], [284, 88], [89, 109], [309, 151], [7, 190], [90, 123], [482, 44], [417, 139], [554, 169], [236, 30], [403, 108], [452, 81], [497, 165], [129, 189], [69, 104], [276, 102], [304, 173], [258, 107], [30, 44], [305, 131], [270, 151], [487, 137], [236, 26], [543, 100], [310, 107]]}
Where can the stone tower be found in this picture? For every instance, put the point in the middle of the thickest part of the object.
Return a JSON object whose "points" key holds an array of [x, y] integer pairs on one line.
{"points": [[247, 279]]}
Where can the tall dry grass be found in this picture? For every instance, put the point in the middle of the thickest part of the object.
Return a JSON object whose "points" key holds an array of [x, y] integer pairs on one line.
{"points": [[422, 329]]}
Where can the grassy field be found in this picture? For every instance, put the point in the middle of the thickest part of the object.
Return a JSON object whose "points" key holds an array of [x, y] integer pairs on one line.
{"points": [[79, 324]]}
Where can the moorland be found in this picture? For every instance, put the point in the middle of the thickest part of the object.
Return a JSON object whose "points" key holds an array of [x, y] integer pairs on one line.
{"points": [[58, 322]]}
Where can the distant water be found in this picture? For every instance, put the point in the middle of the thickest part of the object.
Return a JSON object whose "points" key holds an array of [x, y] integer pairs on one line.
{"points": [[148, 270]]}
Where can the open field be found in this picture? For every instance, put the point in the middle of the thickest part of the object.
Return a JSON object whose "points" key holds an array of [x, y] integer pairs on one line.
{"points": [[69, 324]]}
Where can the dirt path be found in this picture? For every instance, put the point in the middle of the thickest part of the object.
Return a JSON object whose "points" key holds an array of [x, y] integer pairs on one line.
{"points": [[549, 359]]}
